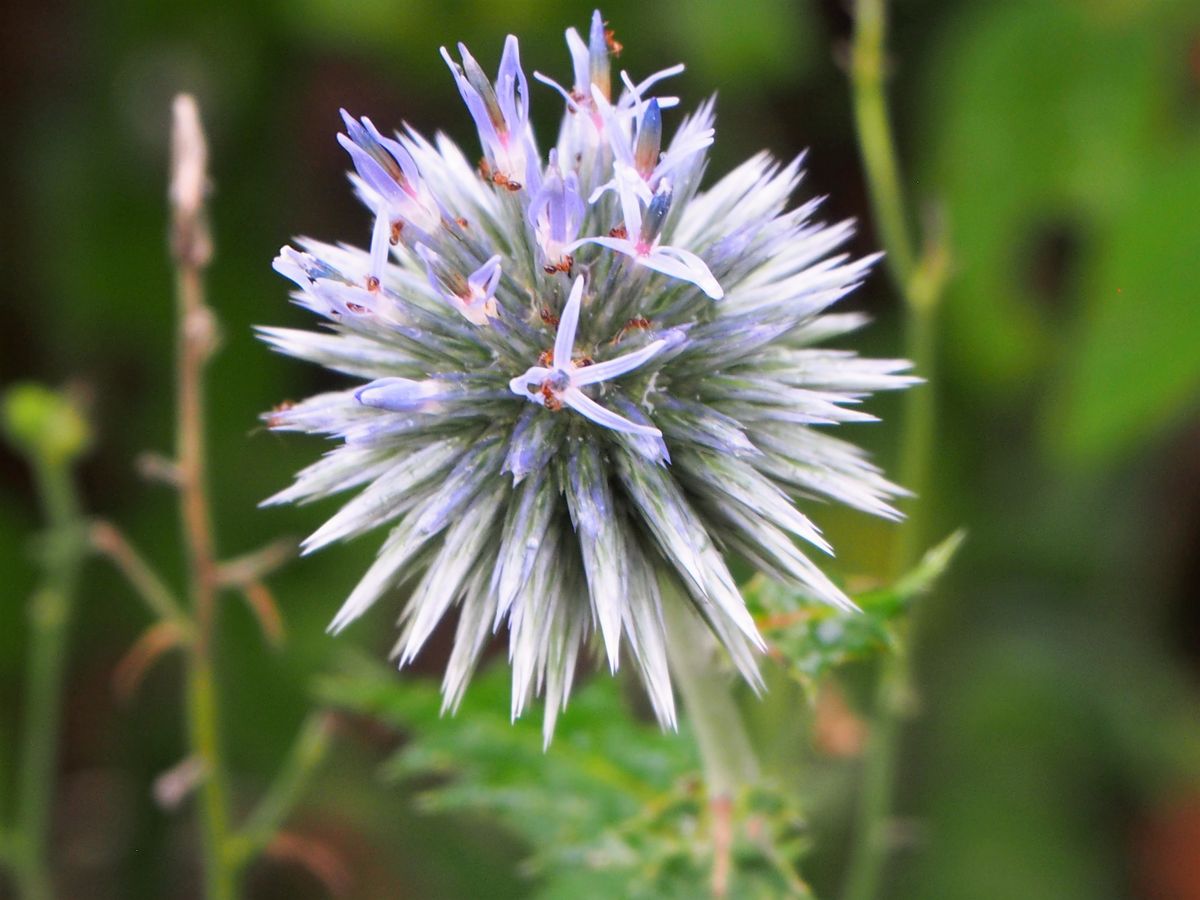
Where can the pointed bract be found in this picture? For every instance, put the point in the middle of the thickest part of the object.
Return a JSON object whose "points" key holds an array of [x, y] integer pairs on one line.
{"points": [[548, 412]]}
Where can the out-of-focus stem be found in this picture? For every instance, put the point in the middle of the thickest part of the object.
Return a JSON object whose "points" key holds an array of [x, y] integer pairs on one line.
{"points": [[726, 752], [158, 597], [264, 823], [876, 144], [917, 437], [50, 614], [920, 282], [192, 249]]}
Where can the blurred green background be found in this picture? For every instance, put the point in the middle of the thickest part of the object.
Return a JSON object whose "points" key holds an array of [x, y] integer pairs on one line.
{"points": [[1057, 753]]}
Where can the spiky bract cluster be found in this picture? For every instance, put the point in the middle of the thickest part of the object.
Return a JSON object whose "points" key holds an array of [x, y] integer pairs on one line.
{"points": [[587, 381]]}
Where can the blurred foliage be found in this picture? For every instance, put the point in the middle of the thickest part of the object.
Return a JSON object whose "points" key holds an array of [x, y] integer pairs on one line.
{"points": [[615, 807], [812, 642], [1067, 155], [44, 424], [612, 808]]}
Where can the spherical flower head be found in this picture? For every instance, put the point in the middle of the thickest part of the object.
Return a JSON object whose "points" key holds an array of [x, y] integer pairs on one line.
{"points": [[581, 383]]}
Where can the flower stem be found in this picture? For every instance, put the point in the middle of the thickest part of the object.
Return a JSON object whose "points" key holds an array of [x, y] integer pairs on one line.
{"points": [[196, 339], [50, 612], [726, 752], [920, 281], [870, 852]]}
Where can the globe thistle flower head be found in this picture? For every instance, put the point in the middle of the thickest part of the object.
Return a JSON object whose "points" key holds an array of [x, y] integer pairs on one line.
{"points": [[580, 383]]}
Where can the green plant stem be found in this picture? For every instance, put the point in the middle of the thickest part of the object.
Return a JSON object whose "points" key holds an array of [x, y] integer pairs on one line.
{"points": [[726, 753], [920, 283], [307, 752], [917, 438], [876, 144], [203, 704], [873, 838], [191, 247], [159, 599], [50, 611]]}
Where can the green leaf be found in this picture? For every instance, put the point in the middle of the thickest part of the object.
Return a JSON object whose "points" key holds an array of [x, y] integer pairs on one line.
{"points": [[1069, 167], [613, 808], [813, 640], [1136, 367]]}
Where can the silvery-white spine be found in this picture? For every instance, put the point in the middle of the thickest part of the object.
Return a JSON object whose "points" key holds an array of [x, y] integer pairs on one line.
{"points": [[578, 378]]}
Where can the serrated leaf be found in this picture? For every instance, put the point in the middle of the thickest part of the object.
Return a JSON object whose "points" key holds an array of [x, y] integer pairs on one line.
{"points": [[613, 808]]}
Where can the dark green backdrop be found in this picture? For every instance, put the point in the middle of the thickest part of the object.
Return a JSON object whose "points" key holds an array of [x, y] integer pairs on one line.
{"points": [[1059, 142]]}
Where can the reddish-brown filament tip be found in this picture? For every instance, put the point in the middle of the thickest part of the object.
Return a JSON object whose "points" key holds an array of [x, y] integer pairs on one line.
{"points": [[397, 227], [563, 265], [637, 323], [552, 402], [372, 283], [275, 419], [548, 317], [355, 308], [497, 177], [614, 46], [619, 232]]}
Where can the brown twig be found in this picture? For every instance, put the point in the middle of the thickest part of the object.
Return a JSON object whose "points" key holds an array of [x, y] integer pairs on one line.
{"points": [[110, 543], [244, 570], [191, 247], [146, 650]]}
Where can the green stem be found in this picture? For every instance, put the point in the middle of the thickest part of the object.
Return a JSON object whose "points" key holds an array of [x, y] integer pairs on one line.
{"points": [[264, 823], [219, 872], [146, 583], [195, 344], [50, 613], [870, 852], [920, 283], [876, 144], [917, 438], [726, 752]]}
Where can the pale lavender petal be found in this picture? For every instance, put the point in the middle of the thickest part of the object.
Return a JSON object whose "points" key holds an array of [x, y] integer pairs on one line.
{"points": [[586, 406], [483, 280], [621, 245], [684, 264], [580, 62], [550, 82], [614, 368], [381, 243], [527, 384], [646, 83], [398, 394], [568, 322], [514, 88]]}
